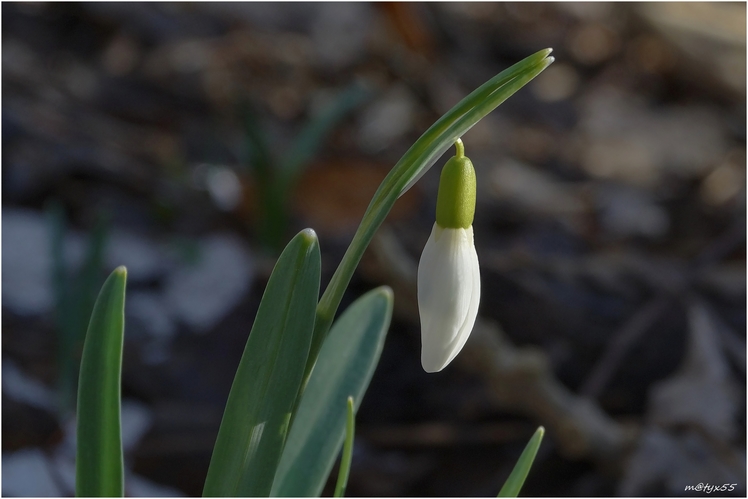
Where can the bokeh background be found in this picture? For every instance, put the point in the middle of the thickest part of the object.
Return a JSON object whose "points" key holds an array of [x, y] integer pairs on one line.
{"points": [[190, 141]]}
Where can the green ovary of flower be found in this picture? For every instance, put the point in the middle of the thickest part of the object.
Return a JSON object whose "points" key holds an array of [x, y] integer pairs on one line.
{"points": [[455, 202]]}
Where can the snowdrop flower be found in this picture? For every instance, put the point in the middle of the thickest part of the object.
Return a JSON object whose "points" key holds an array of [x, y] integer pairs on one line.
{"points": [[448, 274]]}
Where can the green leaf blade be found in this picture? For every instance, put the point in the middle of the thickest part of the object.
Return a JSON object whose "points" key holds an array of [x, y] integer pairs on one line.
{"points": [[345, 460], [517, 477], [267, 381], [99, 462], [344, 368]]}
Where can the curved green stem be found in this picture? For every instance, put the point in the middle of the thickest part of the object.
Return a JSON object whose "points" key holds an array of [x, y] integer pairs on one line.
{"points": [[414, 163], [459, 149]]}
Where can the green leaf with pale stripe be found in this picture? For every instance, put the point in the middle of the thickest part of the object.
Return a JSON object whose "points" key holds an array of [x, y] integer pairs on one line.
{"points": [[99, 464], [345, 459], [516, 479], [255, 421], [344, 368]]}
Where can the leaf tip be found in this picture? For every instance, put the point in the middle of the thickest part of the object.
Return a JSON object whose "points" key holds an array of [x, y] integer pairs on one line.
{"points": [[309, 236], [386, 293], [121, 271]]}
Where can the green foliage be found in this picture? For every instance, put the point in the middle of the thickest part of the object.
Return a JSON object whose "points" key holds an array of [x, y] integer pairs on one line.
{"points": [[344, 368], [516, 479], [255, 421], [345, 459], [99, 464], [276, 177], [75, 294], [296, 371]]}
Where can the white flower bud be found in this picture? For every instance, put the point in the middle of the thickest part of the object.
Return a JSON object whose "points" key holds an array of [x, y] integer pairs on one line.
{"points": [[448, 294]]}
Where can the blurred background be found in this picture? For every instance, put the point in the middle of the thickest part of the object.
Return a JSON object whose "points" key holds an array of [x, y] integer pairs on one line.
{"points": [[190, 141]]}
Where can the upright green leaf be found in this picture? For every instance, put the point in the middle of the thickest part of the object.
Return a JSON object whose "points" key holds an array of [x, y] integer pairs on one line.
{"points": [[344, 368], [345, 459], [255, 421], [516, 479], [99, 464]]}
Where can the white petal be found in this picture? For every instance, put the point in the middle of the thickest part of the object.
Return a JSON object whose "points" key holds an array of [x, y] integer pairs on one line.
{"points": [[448, 295]]}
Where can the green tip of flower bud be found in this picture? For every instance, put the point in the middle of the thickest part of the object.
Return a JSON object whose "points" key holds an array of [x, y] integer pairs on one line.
{"points": [[459, 149], [455, 203]]}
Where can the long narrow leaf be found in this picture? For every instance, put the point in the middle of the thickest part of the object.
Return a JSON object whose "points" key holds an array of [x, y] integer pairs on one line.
{"points": [[346, 363], [255, 421], [345, 459], [516, 479], [99, 463]]}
